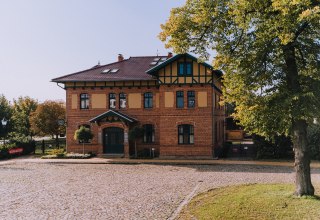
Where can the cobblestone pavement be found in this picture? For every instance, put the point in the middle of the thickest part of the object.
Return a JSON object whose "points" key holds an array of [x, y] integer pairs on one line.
{"points": [[110, 191]]}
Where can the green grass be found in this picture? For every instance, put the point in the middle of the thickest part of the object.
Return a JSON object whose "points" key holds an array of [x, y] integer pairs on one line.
{"points": [[256, 201]]}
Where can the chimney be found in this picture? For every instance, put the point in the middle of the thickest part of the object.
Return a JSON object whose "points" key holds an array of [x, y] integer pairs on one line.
{"points": [[120, 57], [170, 55]]}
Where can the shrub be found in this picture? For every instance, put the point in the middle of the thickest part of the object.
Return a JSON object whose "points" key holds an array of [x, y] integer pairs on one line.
{"points": [[67, 156], [314, 141], [58, 152], [223, 153], [4, 150], [279, 147]]}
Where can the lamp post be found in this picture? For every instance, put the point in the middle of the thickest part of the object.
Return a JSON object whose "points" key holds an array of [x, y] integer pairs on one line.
{"points": [[4, 122]]}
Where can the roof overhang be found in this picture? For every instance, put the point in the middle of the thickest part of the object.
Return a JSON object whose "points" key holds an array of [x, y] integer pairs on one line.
{"points": [[112, 113]]}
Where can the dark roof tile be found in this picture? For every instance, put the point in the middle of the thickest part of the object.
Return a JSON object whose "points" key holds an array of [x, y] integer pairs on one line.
{"points": [[133, 68]]}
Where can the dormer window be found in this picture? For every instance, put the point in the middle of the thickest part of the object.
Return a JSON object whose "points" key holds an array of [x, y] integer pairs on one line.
{"points": [[112, 100], [105, 71], [114, 70], [185, 68]]}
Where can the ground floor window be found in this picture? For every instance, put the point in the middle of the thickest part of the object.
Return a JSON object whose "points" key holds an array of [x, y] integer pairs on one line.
{"points": [[185, 134], [148, 133]]}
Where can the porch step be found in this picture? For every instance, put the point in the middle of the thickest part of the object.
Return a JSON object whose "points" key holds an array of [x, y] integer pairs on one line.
{"points": [[110, 155]]}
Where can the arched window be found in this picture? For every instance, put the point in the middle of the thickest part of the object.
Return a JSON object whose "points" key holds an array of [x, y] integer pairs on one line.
{"points": [[86, 126], [123, 100], [148, 133], [84, 101], [185, 134], [112, 100]]}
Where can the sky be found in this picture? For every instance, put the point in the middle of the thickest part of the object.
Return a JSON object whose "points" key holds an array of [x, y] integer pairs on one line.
{"points": [[44, 39]]}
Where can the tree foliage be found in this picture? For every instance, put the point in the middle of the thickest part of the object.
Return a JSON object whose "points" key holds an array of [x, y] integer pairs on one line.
{"points": [[249, 38], [83, 134], [136, 133], [44, 121], [270, 54], [5, 112], [22, 110]]}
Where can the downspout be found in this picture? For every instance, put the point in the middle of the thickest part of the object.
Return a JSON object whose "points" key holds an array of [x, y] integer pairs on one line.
{"points": [[213, 121]]}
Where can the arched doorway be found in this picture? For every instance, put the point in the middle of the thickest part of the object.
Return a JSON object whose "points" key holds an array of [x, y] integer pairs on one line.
{"points": [[113, 140]]}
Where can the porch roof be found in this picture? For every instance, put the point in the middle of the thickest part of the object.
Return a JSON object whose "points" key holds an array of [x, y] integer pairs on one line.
{"points": [[113, 113]]}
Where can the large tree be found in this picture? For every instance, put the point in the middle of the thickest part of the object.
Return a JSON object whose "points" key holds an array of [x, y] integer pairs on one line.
{"points": [[44, 121], [269, 51], [22, 109]]}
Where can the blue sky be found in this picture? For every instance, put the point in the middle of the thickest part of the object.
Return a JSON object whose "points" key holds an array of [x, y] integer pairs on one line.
{"points": [[41, 39]]}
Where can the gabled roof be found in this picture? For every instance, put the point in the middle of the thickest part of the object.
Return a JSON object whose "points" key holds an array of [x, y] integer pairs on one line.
{"points": [[172, 59], [133, 68], [113, 113]]}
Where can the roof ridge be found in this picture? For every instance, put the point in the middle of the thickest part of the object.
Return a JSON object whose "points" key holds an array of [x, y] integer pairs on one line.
{"points": [[147, 56]]}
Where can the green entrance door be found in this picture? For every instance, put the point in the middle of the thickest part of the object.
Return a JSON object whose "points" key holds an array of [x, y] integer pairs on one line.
{"points": [[113, 139]]}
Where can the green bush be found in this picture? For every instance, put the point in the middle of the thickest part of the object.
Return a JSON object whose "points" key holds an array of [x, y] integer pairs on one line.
{"points": [[58, 152], [279, 147], [314, 141], [68, 156]]}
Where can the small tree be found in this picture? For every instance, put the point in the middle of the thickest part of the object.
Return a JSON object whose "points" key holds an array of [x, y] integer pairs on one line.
{"points": [[83, 135], [5, 112], [134, 134], [23, 108], [44, 121]]}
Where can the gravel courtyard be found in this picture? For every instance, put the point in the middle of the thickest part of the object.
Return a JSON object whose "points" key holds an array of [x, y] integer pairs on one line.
{"points": [[110, 191]]}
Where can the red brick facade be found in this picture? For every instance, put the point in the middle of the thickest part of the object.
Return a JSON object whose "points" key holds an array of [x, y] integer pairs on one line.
{"points": [[206, 117]]}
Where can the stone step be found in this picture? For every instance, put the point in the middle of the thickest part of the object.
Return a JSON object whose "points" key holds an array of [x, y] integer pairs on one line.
{"points": [[110, 155]]}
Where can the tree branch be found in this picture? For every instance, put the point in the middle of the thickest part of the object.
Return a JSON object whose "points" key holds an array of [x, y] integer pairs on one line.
{"points": [[300, 30]]}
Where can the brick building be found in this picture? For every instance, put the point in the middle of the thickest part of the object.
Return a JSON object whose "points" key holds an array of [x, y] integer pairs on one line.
{"points": [[175, 98]]}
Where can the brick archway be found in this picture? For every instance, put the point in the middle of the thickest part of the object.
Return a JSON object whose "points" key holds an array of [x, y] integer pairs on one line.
{"points": [[120, 125]]}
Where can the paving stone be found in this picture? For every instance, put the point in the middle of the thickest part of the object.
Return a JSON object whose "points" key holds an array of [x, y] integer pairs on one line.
{"points": [[110, 191]]}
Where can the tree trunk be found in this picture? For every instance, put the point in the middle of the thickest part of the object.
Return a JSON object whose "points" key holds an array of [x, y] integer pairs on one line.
{"points": [[302, 159], [57, 141], [299, 126]]}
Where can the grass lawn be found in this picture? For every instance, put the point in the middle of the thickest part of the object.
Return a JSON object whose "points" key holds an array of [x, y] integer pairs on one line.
{"points": [[256, 201]]}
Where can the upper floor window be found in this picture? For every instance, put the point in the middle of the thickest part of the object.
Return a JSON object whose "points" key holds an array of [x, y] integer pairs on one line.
{"points": [[84, 101], [148, 133], [148, 100], [191, 99], [185, 68], [123, 100], [185, 134], [179, 99], [112, 100]]}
